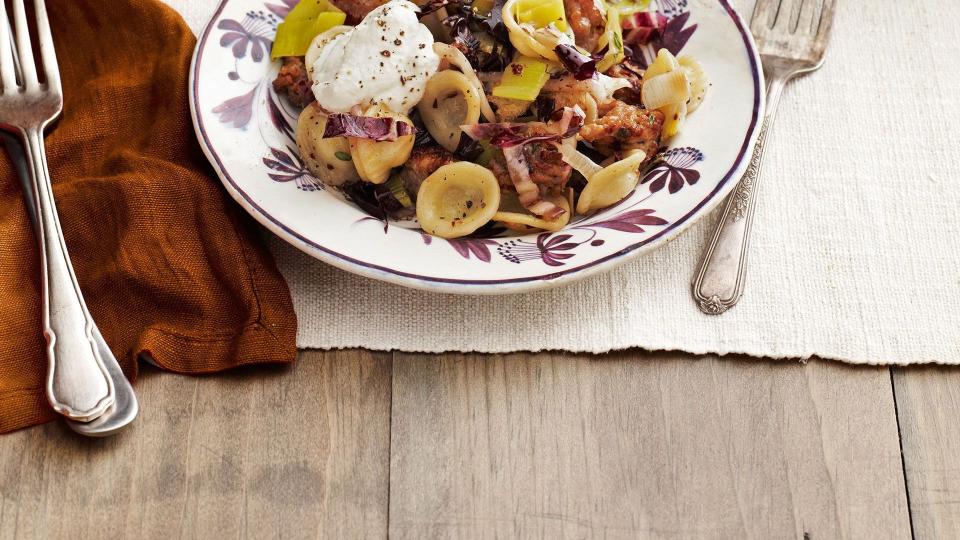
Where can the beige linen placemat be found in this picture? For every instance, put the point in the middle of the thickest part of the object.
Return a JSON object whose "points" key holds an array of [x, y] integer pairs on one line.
{"points": [[856, 248]]}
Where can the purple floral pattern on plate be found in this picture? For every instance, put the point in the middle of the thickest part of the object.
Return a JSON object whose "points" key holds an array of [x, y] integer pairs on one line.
{"points": [[288, 167], [237, 111], [253, 33], [283, 9], [673, 169], [675, 35], [554, 249]]}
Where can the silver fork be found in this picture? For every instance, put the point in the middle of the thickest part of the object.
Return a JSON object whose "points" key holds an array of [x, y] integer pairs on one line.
{"points": [[83, 381], [792, 38]]}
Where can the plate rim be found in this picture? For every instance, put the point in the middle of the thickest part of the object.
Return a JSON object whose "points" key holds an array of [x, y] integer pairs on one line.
{"points": [[495, 286]]}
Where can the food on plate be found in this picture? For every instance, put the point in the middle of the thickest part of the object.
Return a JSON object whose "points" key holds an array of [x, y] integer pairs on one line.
{"points": [[470, 112]]}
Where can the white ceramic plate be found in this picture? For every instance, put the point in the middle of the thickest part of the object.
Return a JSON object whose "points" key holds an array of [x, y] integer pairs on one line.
{"points": [[246, 132]]}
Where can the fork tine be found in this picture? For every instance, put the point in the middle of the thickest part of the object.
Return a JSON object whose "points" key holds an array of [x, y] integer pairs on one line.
{"points": [[8, 76], [48, 52], [24, 48], [13, 48], [826, 20], [809, 17], [764, 12], [787, 15]]}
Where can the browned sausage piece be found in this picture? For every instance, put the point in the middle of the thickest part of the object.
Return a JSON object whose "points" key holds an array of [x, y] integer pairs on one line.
{"points": [[587, 22], [292, 81], [547, 167], [356, 10], [624, 127], [423, 162]]}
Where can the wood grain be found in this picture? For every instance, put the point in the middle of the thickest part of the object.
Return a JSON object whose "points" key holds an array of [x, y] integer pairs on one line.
{"points": [[263, 453], [928, 406], [636, 445]]}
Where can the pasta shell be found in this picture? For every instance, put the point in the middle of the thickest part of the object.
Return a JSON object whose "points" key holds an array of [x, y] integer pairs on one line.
{"points": [[455, 58], [374, 160], [664, 63], [512, 214], [449, 101], [667, 89], [698, 81], [659, 91], [612, 184], [457, 199], [328, 159], [676, 117]]}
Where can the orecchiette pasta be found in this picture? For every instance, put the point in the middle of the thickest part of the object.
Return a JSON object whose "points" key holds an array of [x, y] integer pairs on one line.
{"points": [[455, 58], [449, 101], [373, 159], [457, 199], [328, 159], [611, 184]]}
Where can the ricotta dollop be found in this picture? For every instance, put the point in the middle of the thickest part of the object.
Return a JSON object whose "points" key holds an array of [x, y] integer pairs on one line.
{"points": [[386, 59]]}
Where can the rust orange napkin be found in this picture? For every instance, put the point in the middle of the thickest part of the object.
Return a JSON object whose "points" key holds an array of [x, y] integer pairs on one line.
{"points": [[169, 265]]}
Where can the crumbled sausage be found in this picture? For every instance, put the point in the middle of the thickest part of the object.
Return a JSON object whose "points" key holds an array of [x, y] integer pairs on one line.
{"points": [[293, 81], [546, 164], [547, 167], [587, 22], [424, 161], [356, 10], [624, 127]]}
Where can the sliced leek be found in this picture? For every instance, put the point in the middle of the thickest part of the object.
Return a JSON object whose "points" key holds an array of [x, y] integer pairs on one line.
{"points": [[294, 35], [523, 80]]}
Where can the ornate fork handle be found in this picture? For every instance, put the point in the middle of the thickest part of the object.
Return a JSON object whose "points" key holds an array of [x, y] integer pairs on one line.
{"points": [[721, 275], [78, 384]]}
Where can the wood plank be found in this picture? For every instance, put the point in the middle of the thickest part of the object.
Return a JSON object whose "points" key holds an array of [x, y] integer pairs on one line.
{"points": [[637, 445], [260, 453], [928, 405]]}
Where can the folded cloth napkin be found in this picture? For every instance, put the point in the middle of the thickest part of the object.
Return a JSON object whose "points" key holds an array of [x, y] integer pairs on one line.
{"points": [[169, 266]]}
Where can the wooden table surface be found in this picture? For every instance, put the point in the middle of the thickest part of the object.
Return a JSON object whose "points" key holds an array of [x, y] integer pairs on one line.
{"points": [[631, 445]]}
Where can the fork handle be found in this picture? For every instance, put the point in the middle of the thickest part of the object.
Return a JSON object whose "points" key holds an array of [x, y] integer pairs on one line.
{"points": [[721, 274], [78, 385]]}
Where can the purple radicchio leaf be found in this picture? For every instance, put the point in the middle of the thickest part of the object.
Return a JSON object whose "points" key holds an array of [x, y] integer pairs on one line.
{"points": [[643, 27], [366, 127], [582, 66]]}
